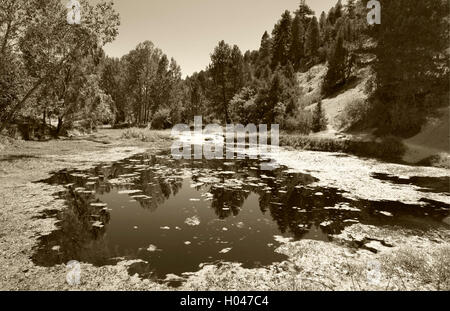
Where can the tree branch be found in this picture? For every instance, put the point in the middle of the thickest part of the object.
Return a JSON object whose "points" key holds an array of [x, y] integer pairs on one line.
{"points": [[20, 104]]}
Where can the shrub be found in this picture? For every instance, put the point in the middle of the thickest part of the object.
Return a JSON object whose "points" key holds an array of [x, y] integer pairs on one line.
{"points": [[145, 135], [299, 123], [319, 121], [389, 148], [161, 120], [355, 115]]}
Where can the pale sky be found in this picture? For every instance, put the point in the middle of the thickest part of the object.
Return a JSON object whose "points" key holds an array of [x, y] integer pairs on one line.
{"points": [[188, 30]]}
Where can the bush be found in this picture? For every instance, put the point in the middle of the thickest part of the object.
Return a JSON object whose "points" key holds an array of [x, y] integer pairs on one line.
{"points": [[161, 120], [319, 121], [299, 123], [355, 115], [145, 135], [243, 108], [389, 148], [123, 125]]}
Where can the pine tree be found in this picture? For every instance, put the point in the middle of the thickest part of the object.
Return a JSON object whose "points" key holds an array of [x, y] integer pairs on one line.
{"points": [[236, 70], [338, 11], [274, 96], [411, 66], [312, 40], [296, 51], [324, 29], [289, 73], [265, 50], [331, 16], [281, 40], [221, 89], [304, 12], [351, 9], [336, 74], [319, 121], [322, 22]]}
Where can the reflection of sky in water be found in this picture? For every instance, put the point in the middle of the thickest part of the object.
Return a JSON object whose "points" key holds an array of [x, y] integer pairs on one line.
{"points": [[176, 215]]}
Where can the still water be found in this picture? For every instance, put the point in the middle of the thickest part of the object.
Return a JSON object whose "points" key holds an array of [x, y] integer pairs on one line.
{"points": [[176, 215]]}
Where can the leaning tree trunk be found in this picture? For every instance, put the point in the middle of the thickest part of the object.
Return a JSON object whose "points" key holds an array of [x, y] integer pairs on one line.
{"points": [[59, 126]]}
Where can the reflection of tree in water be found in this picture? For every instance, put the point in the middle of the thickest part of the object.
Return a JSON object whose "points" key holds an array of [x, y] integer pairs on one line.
{"points": [[281, 199], [76, 237], [152, 180], [158, 190], [227, 202], [295, 207], [81, 227], [298, 209]]}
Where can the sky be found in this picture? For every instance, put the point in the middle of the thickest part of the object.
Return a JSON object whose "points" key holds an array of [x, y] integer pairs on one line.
{"points": [[188, 30]]}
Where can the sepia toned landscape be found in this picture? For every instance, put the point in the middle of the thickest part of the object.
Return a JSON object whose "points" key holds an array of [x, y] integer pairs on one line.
{"points": [[338, 181]]}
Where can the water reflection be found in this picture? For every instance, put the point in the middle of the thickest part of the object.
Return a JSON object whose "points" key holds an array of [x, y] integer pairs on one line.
{"points": [[176, 215], [427, 184]]}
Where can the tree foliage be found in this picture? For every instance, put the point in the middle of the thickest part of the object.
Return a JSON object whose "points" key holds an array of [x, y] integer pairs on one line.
{"points": [[412, 64], [38, 44]]}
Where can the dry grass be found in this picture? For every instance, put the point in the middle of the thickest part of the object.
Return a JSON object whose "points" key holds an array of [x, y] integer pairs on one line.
{"points": [[389, 148], [146, 135], [322, 266], [417, 269]]}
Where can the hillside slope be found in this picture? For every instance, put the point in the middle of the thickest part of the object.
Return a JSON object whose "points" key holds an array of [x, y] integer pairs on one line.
{"points": [[335, 105], [432, 141]]}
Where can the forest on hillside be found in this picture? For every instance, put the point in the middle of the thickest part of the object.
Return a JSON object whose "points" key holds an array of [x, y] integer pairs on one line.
{"points": [[51, 70]]}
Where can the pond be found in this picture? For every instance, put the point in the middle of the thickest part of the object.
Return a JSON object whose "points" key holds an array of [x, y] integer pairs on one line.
{"points": [[176, 215]]}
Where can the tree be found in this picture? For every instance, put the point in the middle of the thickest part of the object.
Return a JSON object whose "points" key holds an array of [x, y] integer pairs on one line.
{"points": [[264, 57], [236, 72], [112, 82], [222, 86], [338, 10], [281, 40], [296, 50], [196, 101], [412, 64], [243, 108], [312, 41], [322, 23], [94, 104], [48, 43], [276, 97], [319, 121], [146, 80], [304, 12], [337, 69], [175, 97], [351, 9]]}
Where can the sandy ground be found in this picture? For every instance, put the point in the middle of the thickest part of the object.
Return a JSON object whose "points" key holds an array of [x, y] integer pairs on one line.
{"points": [[345, 264]]}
